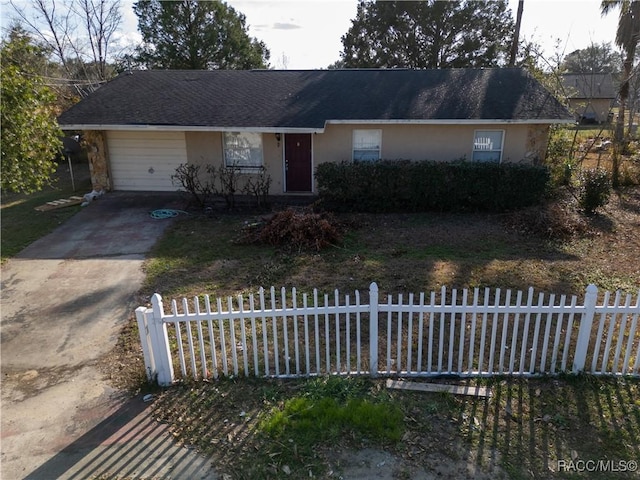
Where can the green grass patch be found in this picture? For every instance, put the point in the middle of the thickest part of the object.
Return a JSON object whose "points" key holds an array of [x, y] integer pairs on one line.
{"points": [[309, 422], [22, 225], [330, 408]]}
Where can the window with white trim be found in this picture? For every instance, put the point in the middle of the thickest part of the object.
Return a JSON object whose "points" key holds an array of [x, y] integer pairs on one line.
{"points": [[487, 145], [243, 150], [367, 145]]}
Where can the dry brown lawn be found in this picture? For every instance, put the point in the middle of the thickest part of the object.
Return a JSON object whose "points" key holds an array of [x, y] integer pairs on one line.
{"points": [[445, 436]]}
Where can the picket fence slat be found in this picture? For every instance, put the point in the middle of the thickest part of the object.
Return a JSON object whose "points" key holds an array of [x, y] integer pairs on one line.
{"points": [[632, 331], [481, 333], [358, 338]]}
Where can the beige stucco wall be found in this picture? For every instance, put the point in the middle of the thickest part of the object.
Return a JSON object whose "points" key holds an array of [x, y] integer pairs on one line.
{"points": [[205, 148], [522, 143], [599, 106], [422, 142]]}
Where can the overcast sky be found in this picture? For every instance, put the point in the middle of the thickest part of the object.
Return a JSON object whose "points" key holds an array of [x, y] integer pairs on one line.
{"points": [[308, 32], [305, 34]]}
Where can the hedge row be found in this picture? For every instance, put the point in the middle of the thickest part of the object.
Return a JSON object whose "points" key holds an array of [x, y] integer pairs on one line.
{"points": [[407, 186]]}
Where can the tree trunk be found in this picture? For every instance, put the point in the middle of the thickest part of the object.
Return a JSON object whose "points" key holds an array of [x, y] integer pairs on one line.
{"points": [[619, 136], [624, 95], [632, 113]]}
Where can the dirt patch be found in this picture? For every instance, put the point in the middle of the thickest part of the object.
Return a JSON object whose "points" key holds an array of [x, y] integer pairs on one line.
{"points": [[372, 463], [123, 366]]}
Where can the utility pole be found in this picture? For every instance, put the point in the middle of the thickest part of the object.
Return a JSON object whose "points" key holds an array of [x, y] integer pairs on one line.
{"points": [[516, 35]]}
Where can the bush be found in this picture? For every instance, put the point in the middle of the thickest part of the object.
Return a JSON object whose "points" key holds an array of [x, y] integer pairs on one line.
{"points": [[200, 181], [559, 147], [189, 179], [392, 186], [257, 186], [556, 219], [299, 230], [594, 190]]}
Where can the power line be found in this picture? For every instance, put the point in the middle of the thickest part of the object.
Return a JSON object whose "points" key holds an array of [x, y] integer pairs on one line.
{"points": [[61, 80]]}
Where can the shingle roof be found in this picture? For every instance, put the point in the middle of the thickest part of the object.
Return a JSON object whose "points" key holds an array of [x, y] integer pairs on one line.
{"points": [[589, 85], [310, 98]]}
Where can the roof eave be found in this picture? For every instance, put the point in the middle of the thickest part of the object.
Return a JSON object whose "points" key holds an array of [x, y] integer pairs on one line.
{"points": [[186, 128], [538, 121], [271, 129]]}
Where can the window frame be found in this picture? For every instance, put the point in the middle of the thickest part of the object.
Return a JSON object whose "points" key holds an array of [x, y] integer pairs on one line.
{"points": [[355, 132], [242, 168], [500, 150]]}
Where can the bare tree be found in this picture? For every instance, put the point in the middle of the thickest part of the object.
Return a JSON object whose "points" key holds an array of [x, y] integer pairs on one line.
{"points": [[102, 18], [78, 33]]}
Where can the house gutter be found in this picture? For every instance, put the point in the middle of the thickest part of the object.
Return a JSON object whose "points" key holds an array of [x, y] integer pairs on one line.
{"points": [[452, 122], [187, 128], [195, 128]]}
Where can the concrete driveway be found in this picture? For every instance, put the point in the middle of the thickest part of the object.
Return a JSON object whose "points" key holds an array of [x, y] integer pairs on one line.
{"points": [[64, 301]]}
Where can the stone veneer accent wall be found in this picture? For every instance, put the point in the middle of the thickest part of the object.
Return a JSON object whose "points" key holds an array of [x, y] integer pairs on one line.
{"points": [[537, 140], [98, 155]]}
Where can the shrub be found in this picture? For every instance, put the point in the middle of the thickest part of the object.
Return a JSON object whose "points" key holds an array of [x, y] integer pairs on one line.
{"points": [[201, 181], [594, 190], [559, 156], [228, 177], [562, 174], [257, 186], [188, 178], [556, 219], [300, 230], [391, 186], [559, 147], [630, 171]]}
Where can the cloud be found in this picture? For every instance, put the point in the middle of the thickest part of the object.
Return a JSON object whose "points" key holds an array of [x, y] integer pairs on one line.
{"points": [[285, 26]]}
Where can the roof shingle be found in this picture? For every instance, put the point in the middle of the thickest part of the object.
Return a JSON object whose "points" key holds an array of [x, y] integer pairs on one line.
{"points": [[310, 98]]}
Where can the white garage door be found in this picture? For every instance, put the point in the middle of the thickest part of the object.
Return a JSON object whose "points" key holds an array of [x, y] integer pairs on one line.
{"points": [[145, 160]]}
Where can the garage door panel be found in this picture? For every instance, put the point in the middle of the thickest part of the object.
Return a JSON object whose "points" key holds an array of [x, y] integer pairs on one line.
{"points": [[145, 161]]}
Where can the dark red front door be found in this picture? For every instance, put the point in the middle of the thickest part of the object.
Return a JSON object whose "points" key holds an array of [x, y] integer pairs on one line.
{"points": [[297, 161]]}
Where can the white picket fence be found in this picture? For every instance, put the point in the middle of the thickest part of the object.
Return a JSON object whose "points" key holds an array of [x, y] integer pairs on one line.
{"points": [[479, 333]]}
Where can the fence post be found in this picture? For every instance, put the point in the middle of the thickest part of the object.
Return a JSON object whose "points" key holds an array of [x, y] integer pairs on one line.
{"points": [[373, 329], [145, 340], [160, 342], [584, 332]]}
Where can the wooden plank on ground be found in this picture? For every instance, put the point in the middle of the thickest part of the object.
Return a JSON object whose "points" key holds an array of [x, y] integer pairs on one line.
{"points": [[63, 202], [470, 390]]}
